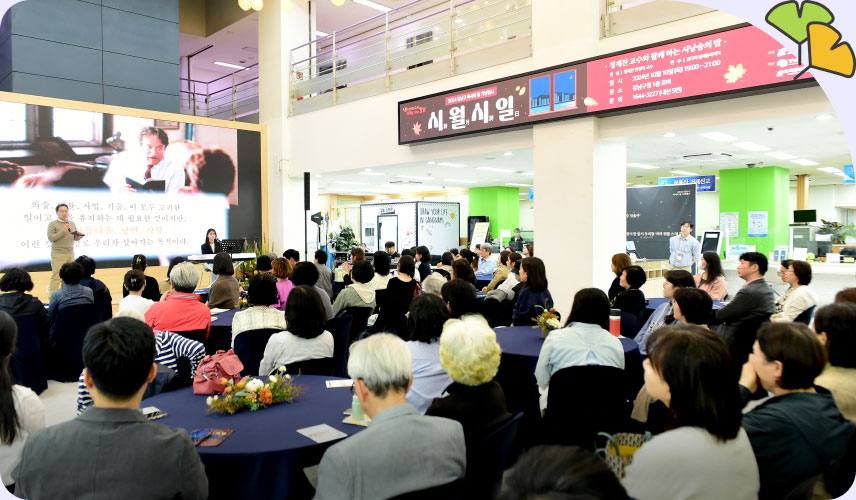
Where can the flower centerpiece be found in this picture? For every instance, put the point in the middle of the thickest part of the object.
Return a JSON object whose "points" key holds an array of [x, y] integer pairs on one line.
{"points": [[548, 320], [254, 393]]}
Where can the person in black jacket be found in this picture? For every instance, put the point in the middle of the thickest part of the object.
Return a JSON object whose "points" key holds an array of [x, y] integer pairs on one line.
{"points": [[423, 257], [16, 282], [99, 290], [151, 291], [799, 431], [619, 262], [394, 303], [212, 244], [631, 300]]}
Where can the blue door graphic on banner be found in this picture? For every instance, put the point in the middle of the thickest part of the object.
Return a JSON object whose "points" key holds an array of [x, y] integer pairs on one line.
{"points": [[565, 90]]}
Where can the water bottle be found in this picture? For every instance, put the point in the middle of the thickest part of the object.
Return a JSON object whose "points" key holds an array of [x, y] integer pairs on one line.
{"points": [[615, 322], [357, 409]]}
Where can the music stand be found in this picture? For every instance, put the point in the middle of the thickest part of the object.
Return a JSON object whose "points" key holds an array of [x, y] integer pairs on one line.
{"points": [[232, 246]]}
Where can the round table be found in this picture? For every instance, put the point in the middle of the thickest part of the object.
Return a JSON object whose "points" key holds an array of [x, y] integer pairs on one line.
{"points": [[220, 337], [265, 456]]}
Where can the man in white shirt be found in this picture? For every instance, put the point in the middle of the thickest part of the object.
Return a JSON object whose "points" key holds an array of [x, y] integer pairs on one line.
{"points": [[684, 249], [145, 164]]}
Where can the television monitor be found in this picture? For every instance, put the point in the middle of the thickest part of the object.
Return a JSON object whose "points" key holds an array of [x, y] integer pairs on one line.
{"points": [[804, 216]]}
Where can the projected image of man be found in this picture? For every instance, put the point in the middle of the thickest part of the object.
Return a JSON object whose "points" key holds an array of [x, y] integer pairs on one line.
{"points": [[145, 164]]}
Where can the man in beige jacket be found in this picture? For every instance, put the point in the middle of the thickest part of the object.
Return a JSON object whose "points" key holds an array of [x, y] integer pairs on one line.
{"points": [[62, 235]]}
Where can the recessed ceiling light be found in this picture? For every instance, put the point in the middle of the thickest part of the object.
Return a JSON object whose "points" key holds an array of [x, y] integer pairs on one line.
{"points": [[234, 66], [683, 172], [516, 184], [371, 173], [350, 183], [507, 153], [464, 181], [643, 166], [376, 6], [718, 136], [805, 163], [415, 177], [830, 170], [823, 117], [454, 165], [750, 146], [669, 134], [527, 174], [779, 155], [432, 162], [491, 169], [321, 34]]}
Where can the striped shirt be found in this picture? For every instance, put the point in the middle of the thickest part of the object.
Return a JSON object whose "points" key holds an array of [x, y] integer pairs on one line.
{"points": [[169, 347]]}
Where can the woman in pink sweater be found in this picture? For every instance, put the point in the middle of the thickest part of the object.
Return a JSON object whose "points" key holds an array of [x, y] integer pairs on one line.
{"points": [[711, 279]]}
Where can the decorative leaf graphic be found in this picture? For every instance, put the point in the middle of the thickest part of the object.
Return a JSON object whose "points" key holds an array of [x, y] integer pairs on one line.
{"points": [[792, 19], [735, 73], [827, 52], [417, 128]]}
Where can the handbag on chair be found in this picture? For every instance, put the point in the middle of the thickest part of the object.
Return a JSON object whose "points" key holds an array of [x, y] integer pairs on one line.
{"points": [[212, 369]]}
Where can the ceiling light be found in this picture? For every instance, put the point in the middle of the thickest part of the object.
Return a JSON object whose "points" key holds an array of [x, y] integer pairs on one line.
{"points": [[527, 174], [235, 66], [669, 134], [245, 4], [718, 136], [507, 153], [257, 5], [823, 117], [781, 156], [750, 146], [643, 166], [447, 164], [350, 183], [491, 169], [376, 6], [371, 173], [805, 163], [321, 34], [830, 170], [683, 172], [338, 3], [516, 184], [465, 181], [415, 177], [432, 162]]}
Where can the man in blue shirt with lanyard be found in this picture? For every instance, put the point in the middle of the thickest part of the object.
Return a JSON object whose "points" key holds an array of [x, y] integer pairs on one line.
{"points": [[684, 249]]}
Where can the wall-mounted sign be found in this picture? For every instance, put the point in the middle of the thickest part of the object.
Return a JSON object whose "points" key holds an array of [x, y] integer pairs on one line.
{"points": [[531, 193], [705, 183], [719, 63], [849, 176], [758, 223]]}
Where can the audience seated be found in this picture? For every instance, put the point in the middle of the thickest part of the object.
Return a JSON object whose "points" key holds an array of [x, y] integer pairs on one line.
{"points": [[835, 325], [631, 300], [225, 292], [620, 261], [712, 279], [535, 297], [664, 314], [799, 296], [423, 258], [846, 295], [460, 298], [357, 255], [705, 454], [325, 275], [21, 410], [15, 300], [470, 355], [261, 295], [401, 451], [306, 273], [169, 348], [180, 310], [264, 264], [754, 302], [412, 254], [501, 272], [151, 291], [360, 293], [434, 284], [163, 286], [425, 324], [462, 270], [394, 303], [72, 293], [100, 292], [445, 265], [692, 306], [135, 284], [293, 256], [506, 289], [119, 357], [486, 266], [560, 472], [304, 337], [584, 340], [381, 263], [282, 270], [796, 433]]}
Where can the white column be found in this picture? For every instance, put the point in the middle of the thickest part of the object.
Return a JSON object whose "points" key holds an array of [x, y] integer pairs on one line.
{"points": [[580, 205], [278, 34]]}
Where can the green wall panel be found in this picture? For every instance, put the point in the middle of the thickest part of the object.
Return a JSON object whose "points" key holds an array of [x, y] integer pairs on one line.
{"points": [[757, 189], [501, 204]]}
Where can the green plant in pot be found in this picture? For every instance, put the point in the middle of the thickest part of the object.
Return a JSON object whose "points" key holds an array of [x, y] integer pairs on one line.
{"points": [[345, 240], [839, 231]]}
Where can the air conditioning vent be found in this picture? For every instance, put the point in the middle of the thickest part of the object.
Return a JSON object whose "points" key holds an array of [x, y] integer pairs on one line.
{"points": [[706, 157]]}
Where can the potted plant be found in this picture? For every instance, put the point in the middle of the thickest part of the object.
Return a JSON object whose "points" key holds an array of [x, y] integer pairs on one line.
{"points": [[839, 231], [345, 240]]}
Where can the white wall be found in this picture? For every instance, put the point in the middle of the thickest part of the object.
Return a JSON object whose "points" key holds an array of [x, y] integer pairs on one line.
{"points": [[707, 211], [527, 215]]}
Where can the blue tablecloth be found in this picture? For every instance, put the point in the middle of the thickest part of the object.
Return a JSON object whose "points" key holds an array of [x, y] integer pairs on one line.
{"points": [[526, 341], [265, 456], [220, 337]]}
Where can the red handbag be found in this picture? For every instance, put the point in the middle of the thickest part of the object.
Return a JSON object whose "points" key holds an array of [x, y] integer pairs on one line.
{"points": [[212, 369]]}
